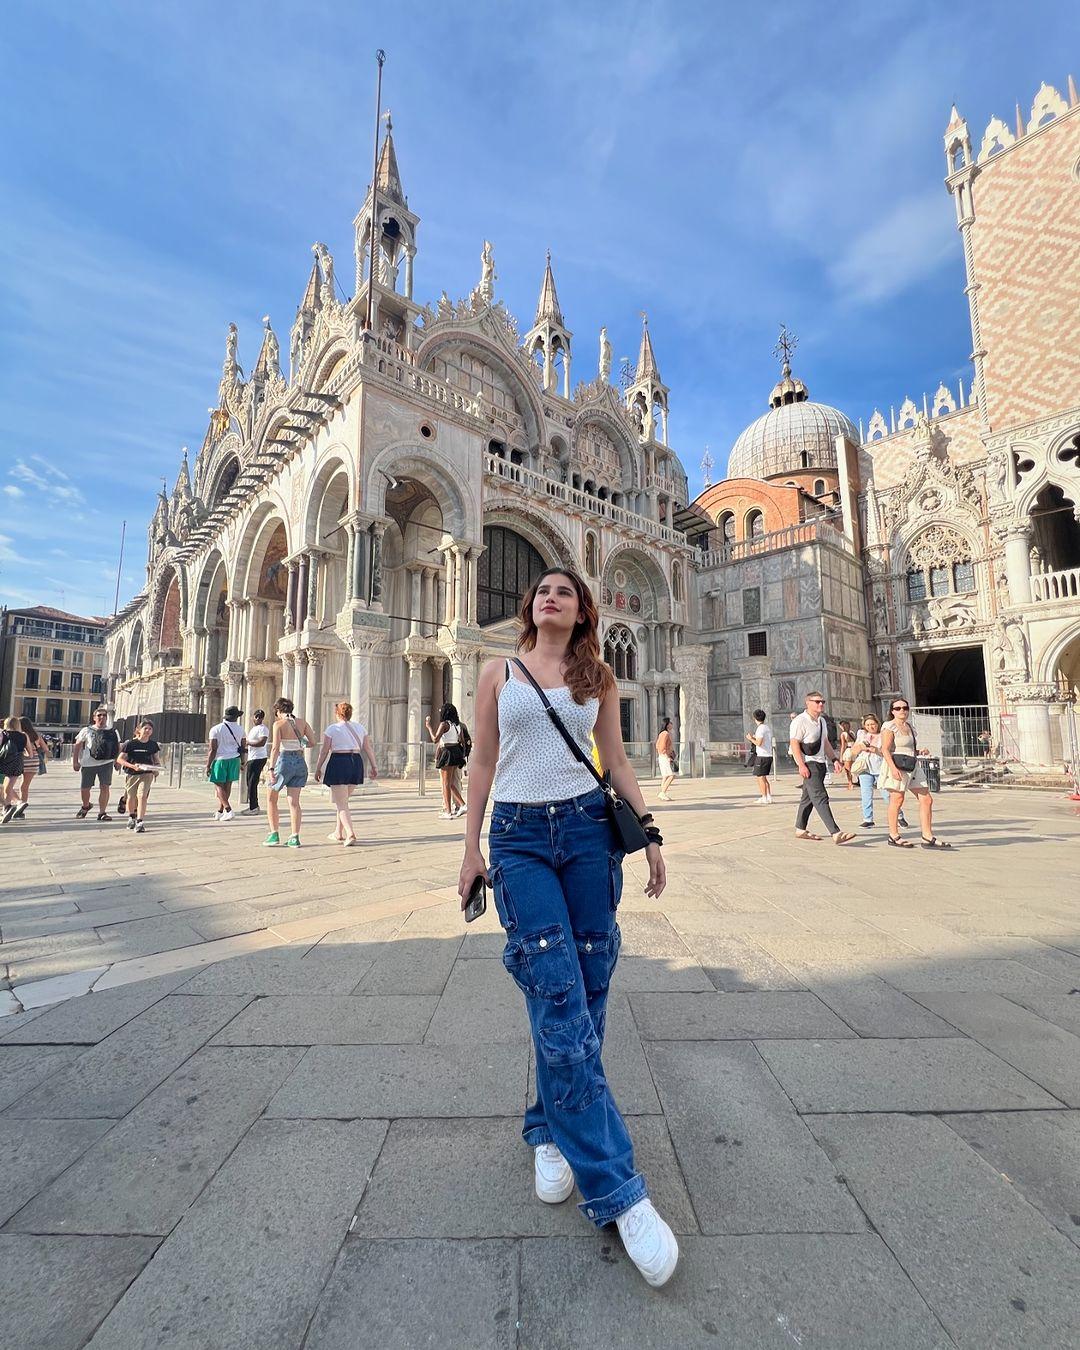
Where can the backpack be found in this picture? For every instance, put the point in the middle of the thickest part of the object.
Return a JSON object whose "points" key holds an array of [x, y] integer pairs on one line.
{"points": [[464, 739], [9, 754], [104, 743], [832, 731]]}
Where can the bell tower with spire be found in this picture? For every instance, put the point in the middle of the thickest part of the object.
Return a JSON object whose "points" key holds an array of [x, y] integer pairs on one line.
{"points": [[549, 336], [385, 250], [647, 394]]}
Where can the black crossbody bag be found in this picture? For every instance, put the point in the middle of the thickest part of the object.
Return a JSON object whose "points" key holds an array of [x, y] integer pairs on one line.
{"points": [[630, 830]]}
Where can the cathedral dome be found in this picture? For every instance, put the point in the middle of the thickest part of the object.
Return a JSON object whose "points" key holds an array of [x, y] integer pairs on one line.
{"points": [[795, 434]]}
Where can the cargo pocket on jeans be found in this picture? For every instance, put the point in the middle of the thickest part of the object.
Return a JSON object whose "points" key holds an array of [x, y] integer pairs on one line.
{"points": [[597, 954], [504, 905], [540, 964], [615, 879], [571, 1052]]}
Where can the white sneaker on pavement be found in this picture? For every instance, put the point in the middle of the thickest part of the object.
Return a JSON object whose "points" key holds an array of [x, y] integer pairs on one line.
{"points": [[445, 815], [227, 815], [554, 1179], [649, 1243]]}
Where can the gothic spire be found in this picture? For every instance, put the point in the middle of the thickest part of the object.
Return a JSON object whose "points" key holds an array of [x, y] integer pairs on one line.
{"points": [[646, 362], [312, 301], [182, 487], [547, 307], [387, 177]]}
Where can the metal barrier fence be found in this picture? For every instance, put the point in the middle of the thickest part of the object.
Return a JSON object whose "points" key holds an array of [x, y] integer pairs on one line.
{"points": [[980, 743]]}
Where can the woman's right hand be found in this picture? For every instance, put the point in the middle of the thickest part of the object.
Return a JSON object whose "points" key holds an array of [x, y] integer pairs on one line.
{"points": [[472, 866]]}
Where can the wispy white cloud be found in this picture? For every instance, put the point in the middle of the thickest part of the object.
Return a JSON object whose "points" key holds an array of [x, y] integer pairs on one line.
{"points": [[53, 486], [13, 490], [904, 245]]}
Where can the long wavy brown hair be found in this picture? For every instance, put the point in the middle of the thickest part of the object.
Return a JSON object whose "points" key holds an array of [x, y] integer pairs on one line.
{"points": [[586, 674]]}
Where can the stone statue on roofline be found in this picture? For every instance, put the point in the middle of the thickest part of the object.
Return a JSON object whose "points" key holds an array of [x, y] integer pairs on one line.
{"points": [[605, 357]]}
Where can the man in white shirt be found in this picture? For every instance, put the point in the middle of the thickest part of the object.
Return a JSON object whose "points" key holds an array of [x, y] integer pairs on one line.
{"points": [[258, 740], [812, 752], [761, 738], [97, 769], [223, 759]]}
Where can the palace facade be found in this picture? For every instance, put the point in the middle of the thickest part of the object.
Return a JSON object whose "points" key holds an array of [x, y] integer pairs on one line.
{"points": [[362, 518]]}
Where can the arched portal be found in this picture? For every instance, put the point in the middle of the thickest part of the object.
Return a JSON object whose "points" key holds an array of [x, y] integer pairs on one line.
{"points": [[508, 567]]}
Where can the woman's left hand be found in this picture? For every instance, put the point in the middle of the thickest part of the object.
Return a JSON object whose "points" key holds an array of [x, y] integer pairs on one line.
{"points": [[657, 871], [318, 775], [374, 773]]}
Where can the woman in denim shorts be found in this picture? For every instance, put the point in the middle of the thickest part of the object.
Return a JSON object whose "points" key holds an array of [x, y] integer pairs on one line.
{"points": [[556, 872], [287, 769]]}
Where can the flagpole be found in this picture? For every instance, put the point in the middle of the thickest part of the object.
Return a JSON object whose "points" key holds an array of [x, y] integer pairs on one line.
{"points": [[119, 568], [380, 57]]}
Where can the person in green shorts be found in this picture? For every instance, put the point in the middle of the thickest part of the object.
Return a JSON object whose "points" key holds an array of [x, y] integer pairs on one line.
{"points": [[223, 759]]}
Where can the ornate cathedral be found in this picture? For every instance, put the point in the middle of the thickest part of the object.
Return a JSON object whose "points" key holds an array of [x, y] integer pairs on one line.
{"points": [[364, 524]]}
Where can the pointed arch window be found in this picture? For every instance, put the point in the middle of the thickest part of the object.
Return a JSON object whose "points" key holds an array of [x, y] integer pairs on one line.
{"points": [[592, 555], [676, 583], [620, 652]]}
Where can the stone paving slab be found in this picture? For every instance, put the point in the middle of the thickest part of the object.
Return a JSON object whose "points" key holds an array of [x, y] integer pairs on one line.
{"points": [[1038, 1152], [721, 1017], [817, 1292], [142, 1176], [907, 1075], [750, 1163], [247, 1265], [480, 1003], [370, 1301], [295, 969], [90, 1019], [868, 1005], [473, 1178], [31, 1156], [992, 1268], [734, 965], [55, 1290], [328, 1019], [113, 1076], [23, 1067], [386, 1081], [1041, 1050]]}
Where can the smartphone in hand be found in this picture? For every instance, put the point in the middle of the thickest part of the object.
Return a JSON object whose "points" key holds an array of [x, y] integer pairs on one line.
{"points": [[477, 901]]}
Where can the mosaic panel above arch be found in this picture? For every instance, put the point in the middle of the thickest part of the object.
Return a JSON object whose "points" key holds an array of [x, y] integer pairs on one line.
{"points": [[628, 588]]}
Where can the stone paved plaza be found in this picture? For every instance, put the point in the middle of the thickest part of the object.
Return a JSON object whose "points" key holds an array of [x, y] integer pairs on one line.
{"points": [[288, 1113]]}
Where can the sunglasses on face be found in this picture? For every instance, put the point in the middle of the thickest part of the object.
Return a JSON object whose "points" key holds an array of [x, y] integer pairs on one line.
{"points": [[900, 707], [817, 700]]}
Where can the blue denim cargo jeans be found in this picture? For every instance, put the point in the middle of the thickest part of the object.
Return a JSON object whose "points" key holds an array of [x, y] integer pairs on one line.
{"points": [[556, 874]]}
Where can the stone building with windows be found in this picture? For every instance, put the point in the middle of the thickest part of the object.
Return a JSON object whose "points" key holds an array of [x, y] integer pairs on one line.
{"points": [[52, 668], [363, 521]]}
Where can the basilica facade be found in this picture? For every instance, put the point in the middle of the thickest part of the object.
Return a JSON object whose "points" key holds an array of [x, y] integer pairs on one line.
{"points": [[364, 515]]}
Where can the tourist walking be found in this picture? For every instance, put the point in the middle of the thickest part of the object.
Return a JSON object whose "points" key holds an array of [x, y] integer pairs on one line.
{"points": [[347, 744], [33, 763], [287, 770], [761, 738], [556, 870], [665, 759], [812, 751], [223, 760], [847, 752], [258, 739], [867, 765], [901, 773], [140, 758], [452, 738], [14, 747], [93, 755]]}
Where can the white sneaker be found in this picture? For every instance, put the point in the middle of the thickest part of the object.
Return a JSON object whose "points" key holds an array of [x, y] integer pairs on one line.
{"points": [[457, 811], [140, 828], [226, 815], [649, 1243], [351, 842], [554, 1179], [446, 815], [217, 814]]}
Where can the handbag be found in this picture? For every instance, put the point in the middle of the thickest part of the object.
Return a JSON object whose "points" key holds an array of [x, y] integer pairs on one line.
{"points": [[905, 763], [860, 764], [629, 829]]}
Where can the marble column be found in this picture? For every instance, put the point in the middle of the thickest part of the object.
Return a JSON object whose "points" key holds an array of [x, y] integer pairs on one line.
{"points": [[314, 569], [290, 597], [651, 724], [300, 680], [414, 728], [1018, 564], [377, 528], [1031, 704], [313, 705], [301, 590], [288, 674], [350, 557], [460, 612], [450, 583], [415, 580]]}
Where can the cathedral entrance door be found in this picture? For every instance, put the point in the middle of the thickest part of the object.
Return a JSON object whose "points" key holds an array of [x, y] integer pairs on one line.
{"points": [[949, 676], [626, 719]]}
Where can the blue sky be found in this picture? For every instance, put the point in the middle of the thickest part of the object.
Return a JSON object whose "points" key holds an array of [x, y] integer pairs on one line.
{"points": [[164, 170]]}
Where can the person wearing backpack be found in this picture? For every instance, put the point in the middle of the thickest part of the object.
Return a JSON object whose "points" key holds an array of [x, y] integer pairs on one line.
{"points": [[13, 750], [93, 754]]}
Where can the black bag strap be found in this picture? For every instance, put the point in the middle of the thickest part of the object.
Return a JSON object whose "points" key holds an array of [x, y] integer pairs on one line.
{"points": [[557, 723]]}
